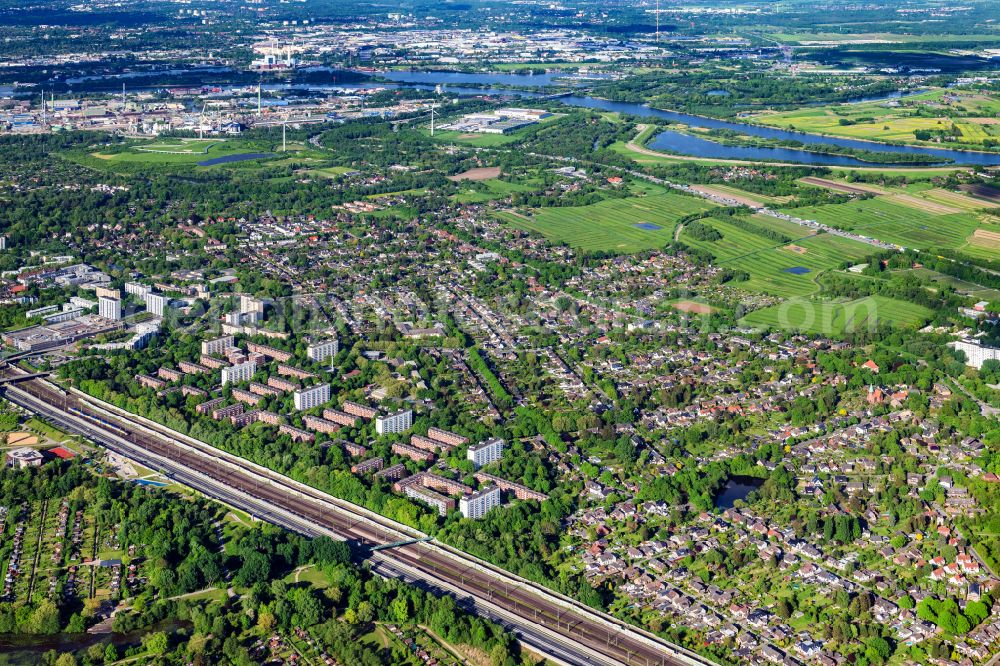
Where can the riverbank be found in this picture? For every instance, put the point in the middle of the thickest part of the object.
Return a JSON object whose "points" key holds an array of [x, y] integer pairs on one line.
{"points": [[637, 151]]}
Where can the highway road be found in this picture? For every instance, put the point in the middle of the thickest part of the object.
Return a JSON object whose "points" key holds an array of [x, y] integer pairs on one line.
{"points": [[555, 626]]}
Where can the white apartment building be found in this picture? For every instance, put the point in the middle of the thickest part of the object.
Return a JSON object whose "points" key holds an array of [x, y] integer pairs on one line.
{"points": [[396, 422], [476, 505], [77, 302], [320, 351], [486, 452], [311, 397], [218, 345], [975, 353], [241, 372], [137, 289], [250, 304], [156, 303], [109, 308]]}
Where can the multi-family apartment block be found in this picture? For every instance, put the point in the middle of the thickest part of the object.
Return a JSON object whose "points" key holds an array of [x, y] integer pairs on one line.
{"points": [[169, 374], [445, 437], [150, 382], [399, 421], [362, 411], [367, 466], [212, 362], [292, 371], [137, 289], [343, 418], [320, 351], [244, 419], [192, 390], [209, 405], [269, 352], [320, 425], [393, 472], [428, 444], [263, 390], [412, 453], [486, 452], [189, 368], [282, 384], [241, 372], [245, 397], [355, 450], [311, 397], [220, 413], [520, 492], [218, 346], [476, 505], [297, 434], [270, 418], [109, 308], [436, 500], [156, 303]]}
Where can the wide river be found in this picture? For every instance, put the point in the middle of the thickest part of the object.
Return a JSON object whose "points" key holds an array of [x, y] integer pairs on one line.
{"points": [[685, 144], [670, 141]]}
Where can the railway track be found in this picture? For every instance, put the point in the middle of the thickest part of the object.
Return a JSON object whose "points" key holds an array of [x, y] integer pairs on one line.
{"points": [[604, 641]]}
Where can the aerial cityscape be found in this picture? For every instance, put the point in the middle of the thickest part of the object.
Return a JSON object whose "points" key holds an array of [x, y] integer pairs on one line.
{"points": [[481, 333]]}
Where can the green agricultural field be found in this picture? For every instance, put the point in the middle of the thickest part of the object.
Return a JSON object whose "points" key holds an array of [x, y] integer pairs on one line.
{"points": [[610, 225], [835, 318], [895, 122], [777, 268], [895, 223]]}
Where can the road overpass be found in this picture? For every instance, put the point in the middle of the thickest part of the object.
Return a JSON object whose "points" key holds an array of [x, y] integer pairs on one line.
{"points": [[555, 626]]}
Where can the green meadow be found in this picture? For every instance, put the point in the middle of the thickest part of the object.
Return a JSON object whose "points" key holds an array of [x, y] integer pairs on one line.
{"points": [[610, 225], [493, 188], [768, 262], [894, 222], [178, 151], [835, 318]]}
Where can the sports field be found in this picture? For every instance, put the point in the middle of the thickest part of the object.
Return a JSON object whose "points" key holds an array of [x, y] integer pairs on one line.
{"points": [[778, 268], [895, 222], [610, 225], [835, 318]]}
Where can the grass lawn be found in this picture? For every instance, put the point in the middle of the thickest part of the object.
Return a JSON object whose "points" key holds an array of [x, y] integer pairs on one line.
{"points": [[837, 317], [309, 574], [610, 225], [962, 286], [179, 152], [894, 222], [331, 172], [161, 153], [477, 140], [494, 189], [768, 262], [50, 431]]}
